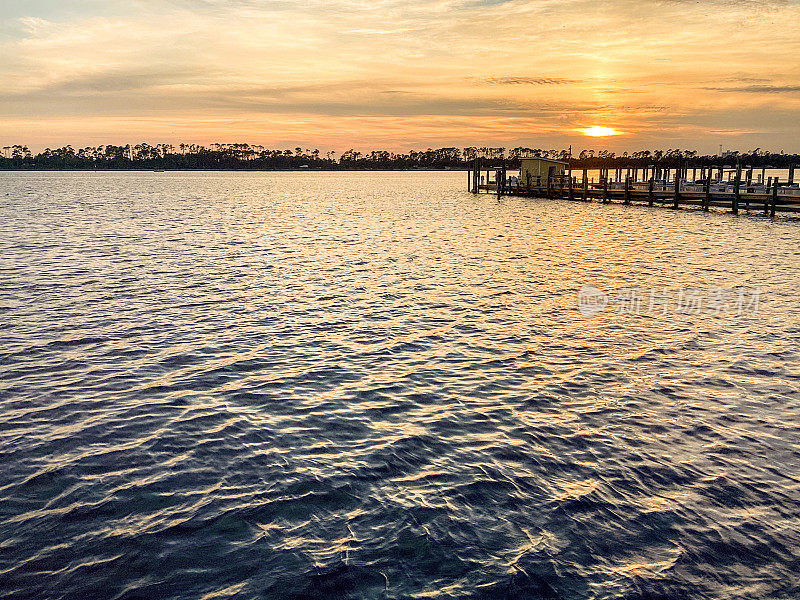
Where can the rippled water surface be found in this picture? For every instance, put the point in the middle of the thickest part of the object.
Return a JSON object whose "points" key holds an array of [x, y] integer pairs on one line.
{"points": [[325, 385]]}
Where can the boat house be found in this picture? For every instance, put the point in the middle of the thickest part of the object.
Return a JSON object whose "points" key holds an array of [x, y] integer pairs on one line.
{"points": [[538, 167]]}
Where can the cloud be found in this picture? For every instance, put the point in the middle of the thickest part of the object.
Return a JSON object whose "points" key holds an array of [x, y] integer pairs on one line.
{"points": [[529, 81], [760, 89], [518, 69], [35, 26]]}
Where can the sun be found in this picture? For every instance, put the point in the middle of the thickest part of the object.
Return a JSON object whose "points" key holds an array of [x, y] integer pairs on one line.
{"points": [[598, 131]]}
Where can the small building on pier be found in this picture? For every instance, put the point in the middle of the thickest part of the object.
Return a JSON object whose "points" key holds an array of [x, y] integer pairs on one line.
{"points": [[538, 167]]}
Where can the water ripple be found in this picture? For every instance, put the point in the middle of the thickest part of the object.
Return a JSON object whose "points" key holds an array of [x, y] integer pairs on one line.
{"points": [[318, 385]]}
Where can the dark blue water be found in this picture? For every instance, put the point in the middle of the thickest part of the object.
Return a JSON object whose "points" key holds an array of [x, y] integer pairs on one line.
{"points": [[380, 386]]}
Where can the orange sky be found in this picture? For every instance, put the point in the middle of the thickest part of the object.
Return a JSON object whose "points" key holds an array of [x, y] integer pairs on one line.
{"points": [[397, 75]]}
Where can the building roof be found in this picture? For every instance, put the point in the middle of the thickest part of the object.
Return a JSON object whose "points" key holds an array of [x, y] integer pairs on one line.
{"points": [[550, 160]]}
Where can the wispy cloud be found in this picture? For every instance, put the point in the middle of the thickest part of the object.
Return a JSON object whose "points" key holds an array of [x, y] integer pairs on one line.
{"points": [[529, 80], [760, 89]]}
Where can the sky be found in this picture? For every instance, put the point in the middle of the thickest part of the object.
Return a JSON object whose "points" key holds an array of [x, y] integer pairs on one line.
{"points": [[397, 75]]}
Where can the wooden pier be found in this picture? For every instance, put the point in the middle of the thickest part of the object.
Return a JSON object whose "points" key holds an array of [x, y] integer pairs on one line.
{"points": [[670, 188]]}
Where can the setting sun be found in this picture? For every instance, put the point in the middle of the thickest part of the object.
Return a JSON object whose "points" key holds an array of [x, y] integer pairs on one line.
{"points": [[599, 131]]}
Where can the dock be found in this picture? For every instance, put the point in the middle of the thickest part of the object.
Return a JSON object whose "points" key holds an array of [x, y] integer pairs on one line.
{"points": [[699, 188]]}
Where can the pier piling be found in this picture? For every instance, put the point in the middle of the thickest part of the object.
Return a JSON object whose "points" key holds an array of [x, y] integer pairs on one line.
{"points": [[774, 197], [737, 192], [585, 185], [677, 195]]}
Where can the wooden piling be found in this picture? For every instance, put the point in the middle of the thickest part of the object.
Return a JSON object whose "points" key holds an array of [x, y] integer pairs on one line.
{"points": [[628, 190], [737, 192], [569, 172], [768, 198], [585, 185], [774, 197], [650, 195], [790, 181], [472, 173], [471, 184], [677, 193], [707, 185]]}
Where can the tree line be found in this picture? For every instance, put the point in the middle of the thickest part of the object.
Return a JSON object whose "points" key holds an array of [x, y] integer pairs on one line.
{"points": [[258, 158]]}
